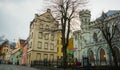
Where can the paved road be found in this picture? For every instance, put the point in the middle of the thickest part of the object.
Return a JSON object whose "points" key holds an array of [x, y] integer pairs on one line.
{"points": [[15, 67]]}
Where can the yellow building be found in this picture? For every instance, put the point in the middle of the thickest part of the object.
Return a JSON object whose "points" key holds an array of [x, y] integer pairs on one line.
{"points": [[59, 48], [70, 44], [42, 38], [20, 43], [5, 49], [5, 52]]}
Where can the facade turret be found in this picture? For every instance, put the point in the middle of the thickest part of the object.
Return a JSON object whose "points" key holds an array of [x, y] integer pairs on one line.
{"points": [[85, 17]]}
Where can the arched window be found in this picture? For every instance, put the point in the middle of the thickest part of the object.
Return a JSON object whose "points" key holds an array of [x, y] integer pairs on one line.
{"points": [[95, 38], [102, 55], [91, 56]]}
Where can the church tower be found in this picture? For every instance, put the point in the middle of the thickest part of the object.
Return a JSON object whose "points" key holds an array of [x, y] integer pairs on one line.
{"points": [[85, 17]]}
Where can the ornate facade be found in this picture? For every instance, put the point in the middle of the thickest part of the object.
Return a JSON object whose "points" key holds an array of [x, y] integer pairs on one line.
{"points": [[42, 38], [90, 42]]}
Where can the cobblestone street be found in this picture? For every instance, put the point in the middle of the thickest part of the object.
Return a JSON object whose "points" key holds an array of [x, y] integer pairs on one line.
{"points": [[15, 67]]}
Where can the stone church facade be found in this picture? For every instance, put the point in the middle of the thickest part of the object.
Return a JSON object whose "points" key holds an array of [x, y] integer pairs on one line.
{"points": [[90, 42]]}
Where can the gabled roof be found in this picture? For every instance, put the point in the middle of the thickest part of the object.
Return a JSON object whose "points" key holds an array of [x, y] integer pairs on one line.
{"points": [[108, 14], [12, 44], [43, 15], [112, 12]]}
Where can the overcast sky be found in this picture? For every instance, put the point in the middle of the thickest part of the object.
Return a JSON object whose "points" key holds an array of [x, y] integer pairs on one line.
{"points": [[16, 15]]}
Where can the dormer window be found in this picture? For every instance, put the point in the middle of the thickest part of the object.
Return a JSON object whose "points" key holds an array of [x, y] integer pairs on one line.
{"points": [[95, 38]]}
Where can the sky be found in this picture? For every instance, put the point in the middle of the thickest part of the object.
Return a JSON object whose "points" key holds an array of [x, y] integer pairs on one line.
{"points": [[16, 15]]}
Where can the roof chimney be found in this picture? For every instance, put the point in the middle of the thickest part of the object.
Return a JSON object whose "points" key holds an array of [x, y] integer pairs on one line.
{"points": [[48, 10]]}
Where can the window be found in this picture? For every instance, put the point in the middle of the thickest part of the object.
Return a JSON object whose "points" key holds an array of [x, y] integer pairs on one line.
{"points": [[29, 59], [39, 45], [95, 38], [46, 45], [41, 26], [75, 37], [51, 46], [51, 57], [38, 57], [52, 37], [40, 35], [4, 50], [30, 45], [32, 35], [45, 56], [57, 49], [62, 49], [46, 36], [47, 27], [52, 28], [7, 50]]}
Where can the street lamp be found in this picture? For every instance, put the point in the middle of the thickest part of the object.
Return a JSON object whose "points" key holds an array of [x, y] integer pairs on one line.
{"points": [[104, 56]]}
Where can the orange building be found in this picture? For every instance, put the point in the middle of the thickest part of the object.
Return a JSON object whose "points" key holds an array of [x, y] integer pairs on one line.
{"points": [[70, 44]]}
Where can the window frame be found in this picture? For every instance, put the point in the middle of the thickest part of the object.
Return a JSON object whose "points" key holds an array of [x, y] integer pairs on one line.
{"points": [[46, 36], [52, 37], [51, 46], [38, 55], [40, 35], [38, 45], [45, 45]]}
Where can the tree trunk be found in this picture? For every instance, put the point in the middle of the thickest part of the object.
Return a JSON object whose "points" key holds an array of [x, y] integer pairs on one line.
{"points": [[64, 58], [113, 54]]}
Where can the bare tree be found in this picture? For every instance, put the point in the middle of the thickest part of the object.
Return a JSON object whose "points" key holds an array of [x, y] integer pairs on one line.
{"points": [[66, 11], [109, 33]]}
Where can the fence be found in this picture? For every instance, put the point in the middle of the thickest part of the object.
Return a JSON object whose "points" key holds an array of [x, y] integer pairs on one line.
{"points": [[46, 63], [58, 65]]}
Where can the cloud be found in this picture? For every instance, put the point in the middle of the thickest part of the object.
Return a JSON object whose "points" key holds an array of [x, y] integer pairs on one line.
{"points": [[97, 6], [16, 16]]}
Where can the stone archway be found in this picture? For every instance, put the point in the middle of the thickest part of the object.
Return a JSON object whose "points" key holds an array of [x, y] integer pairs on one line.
{"points": [[91, 57], [102, 57]]}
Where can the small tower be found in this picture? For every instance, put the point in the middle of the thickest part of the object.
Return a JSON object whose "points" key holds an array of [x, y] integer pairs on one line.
{"points": [[85, 17]]}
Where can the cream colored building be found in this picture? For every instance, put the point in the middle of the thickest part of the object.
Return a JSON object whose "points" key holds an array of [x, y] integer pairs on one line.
{"points": [[43, 38]]}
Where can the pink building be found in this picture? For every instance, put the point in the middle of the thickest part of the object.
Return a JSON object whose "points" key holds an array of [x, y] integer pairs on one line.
{"points": [[24, 55]]}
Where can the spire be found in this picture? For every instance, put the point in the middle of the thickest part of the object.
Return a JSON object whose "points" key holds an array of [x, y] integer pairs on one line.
{"points": [[103, 15]]}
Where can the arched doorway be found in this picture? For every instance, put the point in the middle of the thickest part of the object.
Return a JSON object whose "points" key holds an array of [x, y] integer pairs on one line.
{"points": [[117, 54], [91, 57], [102, 57]]}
